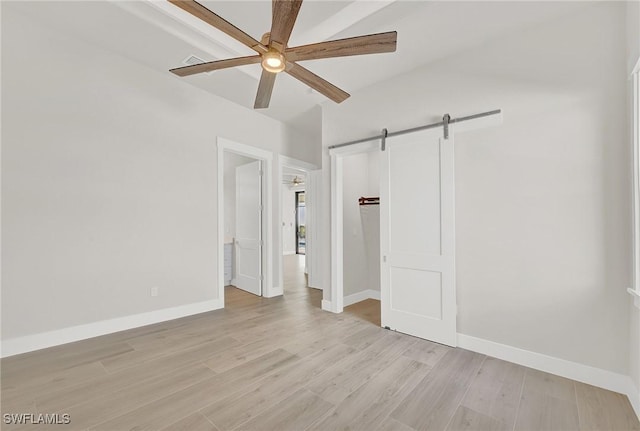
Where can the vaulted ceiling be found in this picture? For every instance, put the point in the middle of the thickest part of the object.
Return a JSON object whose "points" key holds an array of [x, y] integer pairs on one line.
{"points": [[162, 36]]}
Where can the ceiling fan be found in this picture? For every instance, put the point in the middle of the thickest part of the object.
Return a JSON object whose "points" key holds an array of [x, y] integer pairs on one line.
{"points": [[274, 54], [295, 181]]}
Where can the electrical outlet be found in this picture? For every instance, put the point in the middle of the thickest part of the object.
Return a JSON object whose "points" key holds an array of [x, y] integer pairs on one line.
{"points": [[154, 291]]}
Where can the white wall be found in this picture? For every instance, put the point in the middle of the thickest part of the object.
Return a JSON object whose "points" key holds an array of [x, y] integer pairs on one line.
{"points": [[542, 204], [288, 220], [307, 146], [361, 247], [355, 276], [372, 222], [108, 181], [633, 33]]}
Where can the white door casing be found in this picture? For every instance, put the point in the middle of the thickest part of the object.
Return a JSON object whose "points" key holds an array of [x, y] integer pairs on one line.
{"points": [[417, 238], [248, 241]]}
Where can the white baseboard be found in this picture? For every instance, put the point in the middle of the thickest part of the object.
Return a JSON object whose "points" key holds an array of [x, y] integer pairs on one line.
{"points": [[311, 282], [273, 292], [29, 343], [361, 296], [572, 370], [326, 305], [634, 397], [288, 253]]}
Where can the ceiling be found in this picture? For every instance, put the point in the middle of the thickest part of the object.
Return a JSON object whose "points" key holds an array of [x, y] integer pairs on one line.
{"points": [[293, 172], [161, 36]]}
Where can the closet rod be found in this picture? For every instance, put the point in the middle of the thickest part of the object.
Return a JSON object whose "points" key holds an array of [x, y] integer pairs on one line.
{"points": [[369, 201], [415, 129]]}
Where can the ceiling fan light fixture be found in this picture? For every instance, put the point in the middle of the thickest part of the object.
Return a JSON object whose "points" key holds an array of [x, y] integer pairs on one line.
{"points": [[273, 61], [276, 56]]}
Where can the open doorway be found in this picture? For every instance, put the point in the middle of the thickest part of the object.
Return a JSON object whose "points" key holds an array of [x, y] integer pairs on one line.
{"points": [[294, 231], [301, 227], [245, 252], [300, 183], [417, 226], [361, 233], [243, 222], [293, 212], [413, 275]]}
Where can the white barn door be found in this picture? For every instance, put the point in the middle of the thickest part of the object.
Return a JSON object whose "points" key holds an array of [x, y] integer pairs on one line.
{"points": [[249, 228], [417, 236]]}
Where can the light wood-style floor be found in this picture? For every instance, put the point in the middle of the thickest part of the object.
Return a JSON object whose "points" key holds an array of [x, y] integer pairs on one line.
{"points": [[368, 310], [283, 364]]}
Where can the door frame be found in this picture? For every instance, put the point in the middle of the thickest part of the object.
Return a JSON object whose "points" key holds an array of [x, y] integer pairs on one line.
{"points": [[297, 206], [336, 304], [227, 145], [310, 262]]}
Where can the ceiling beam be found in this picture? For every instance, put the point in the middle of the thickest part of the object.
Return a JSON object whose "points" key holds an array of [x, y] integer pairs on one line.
{"points": [[346, 17]]}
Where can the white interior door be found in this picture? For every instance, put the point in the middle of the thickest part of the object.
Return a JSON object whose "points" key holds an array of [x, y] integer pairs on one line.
{"points": [[417, 236], [312, 257], [248, 242]]}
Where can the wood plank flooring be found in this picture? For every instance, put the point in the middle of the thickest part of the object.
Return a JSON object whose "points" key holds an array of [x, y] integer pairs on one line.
{"points": [[283, 364], [368, 310]]}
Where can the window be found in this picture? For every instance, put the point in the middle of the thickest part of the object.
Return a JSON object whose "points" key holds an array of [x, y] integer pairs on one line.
{"points": [[301, 228]]}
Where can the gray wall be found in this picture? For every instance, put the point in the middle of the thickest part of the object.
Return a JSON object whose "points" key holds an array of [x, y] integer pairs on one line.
{"points": [[633, 55], [108, 181]]}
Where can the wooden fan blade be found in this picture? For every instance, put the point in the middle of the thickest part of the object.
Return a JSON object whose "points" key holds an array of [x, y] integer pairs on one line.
{"points": [[201, 12], [283, 18], [265, 88], [317, 83], [215, 65], [370, 44]]}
